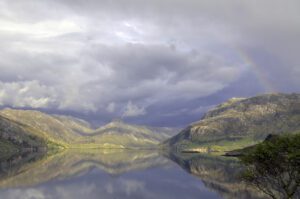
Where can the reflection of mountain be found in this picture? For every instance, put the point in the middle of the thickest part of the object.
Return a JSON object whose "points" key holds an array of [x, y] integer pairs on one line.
{"points": [[217, 173], [73, 163]]}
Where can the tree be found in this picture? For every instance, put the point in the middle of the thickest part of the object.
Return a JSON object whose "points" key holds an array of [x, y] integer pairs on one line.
{"points": [[273, 166]]}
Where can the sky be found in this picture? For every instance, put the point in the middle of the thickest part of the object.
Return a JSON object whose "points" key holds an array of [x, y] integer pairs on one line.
{"points": [[158, 62]]}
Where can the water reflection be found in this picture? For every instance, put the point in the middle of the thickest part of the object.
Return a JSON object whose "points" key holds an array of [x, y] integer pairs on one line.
{"points": [[221, 174], [70, 163], [119, 174]]}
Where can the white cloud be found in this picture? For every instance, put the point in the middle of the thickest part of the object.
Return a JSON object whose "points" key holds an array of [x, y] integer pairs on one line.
{"points": [[132, 110], [26, 94], [96, 56], [41, 29], [111, 107]]}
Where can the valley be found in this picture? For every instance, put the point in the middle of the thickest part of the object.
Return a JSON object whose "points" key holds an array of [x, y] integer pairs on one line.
{"points": [[34, 129], [235, 124]]}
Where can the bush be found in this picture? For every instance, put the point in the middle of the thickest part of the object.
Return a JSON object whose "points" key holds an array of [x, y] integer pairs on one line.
{"points": [[274, 166]]}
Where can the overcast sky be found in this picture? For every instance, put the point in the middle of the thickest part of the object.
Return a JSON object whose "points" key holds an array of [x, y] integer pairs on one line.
{"points": [[158, 62]]}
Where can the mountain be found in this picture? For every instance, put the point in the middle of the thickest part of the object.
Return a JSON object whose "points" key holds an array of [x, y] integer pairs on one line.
{"points": [[50, 128], [240, 122], [118, 133], [71, 132], [74, 124]]}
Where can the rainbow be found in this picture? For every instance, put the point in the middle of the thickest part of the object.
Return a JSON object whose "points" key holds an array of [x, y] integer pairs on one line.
{"points": [[256, 69]]}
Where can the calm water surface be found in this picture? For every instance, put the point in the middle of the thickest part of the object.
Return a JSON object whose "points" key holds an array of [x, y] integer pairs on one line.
{"points": [[111, 174]]}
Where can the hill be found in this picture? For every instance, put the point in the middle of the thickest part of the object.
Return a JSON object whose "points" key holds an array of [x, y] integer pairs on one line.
{"points": [[119, 134], [70, 132], [240, 122]]}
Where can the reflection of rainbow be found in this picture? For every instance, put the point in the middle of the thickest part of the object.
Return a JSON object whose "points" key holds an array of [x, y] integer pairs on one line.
{"points": [[258, 72]]}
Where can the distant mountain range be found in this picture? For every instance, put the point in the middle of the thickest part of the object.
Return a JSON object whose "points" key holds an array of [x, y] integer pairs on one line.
{"points": [[240, 122], [237, 123], [23, 128]]}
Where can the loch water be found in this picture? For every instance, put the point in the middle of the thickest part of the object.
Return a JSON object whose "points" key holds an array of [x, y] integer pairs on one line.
{"points": [[112, 174]]}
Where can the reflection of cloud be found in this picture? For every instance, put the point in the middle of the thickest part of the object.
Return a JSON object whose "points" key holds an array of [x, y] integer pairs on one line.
{"points": [[109, 188], [132, 186], [160, 184], [81, 190], [24, 194], [69, 176], [125, 186], [121, 187]]}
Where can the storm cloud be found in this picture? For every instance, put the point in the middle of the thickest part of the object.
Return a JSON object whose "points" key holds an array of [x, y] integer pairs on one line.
{"points": [[152, 62]]}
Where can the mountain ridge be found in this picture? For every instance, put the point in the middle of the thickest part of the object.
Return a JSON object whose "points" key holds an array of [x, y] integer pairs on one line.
{"points": [[71, 132], [238, 123]]}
